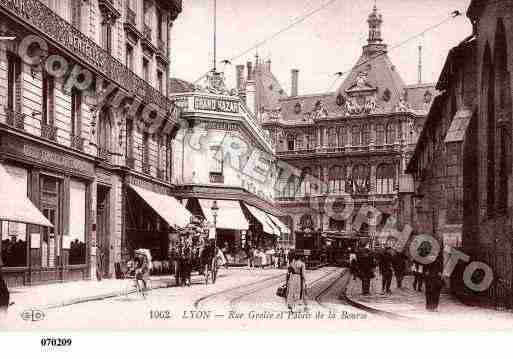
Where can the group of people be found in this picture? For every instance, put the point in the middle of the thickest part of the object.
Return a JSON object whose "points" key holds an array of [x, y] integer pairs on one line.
{"points": [[260, 257], [393, 263]]}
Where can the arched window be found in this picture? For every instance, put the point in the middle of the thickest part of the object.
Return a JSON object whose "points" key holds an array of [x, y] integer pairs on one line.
{"points": [[289, 190], [390, 133], [337, 179], [104, 130], [356, 140], [361, 179], [306, 184], [385, 175]]}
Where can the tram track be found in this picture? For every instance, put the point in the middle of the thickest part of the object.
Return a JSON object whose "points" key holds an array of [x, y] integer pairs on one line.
{"points": [[235, 300]]}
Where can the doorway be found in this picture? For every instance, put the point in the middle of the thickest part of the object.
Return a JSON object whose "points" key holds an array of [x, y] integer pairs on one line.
{"points": [[103, 231]]}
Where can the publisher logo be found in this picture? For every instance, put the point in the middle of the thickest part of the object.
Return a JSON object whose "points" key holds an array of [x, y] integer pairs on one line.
{"points": [[33, 315]]}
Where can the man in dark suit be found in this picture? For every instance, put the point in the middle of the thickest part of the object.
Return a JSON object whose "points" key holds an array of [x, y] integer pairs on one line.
{"points": [[365, 269], [385, 268]]}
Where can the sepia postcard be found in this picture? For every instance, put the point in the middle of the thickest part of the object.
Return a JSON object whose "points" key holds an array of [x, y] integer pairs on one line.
{"points": [[291, 165]]}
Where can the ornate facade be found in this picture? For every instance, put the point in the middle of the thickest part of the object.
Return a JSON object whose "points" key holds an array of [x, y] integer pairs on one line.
{"points": [[84, 115], [356, 140]]}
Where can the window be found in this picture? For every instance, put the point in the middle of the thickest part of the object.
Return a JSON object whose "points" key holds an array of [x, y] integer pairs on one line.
{"points": [[160, 81], [146, 148], [106, 28], [76, 112], [169, 157], [385, 175], [306, 222], [129, 57], [104, 130], [291, 143], [129, 143], [216, 160], [361, 179], [13, 82], [332, 138], [76, 13], [380, 135], [356, 136], [342, 137], [48, 99], [390, 139], [337, 179], [160, 24], [306, 185], [146, 70], [365, 135]]}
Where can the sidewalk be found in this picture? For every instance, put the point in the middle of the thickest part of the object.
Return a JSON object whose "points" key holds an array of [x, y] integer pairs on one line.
{"points": [[54, 295], [410, 303]]}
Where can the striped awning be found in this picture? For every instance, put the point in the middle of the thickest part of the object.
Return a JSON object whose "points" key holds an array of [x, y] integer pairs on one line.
{"points": [[16, 206], [230, 215], [267, 224]]}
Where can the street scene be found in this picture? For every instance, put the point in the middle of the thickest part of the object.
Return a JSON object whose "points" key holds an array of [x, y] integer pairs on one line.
{"points": [[169, 164]]}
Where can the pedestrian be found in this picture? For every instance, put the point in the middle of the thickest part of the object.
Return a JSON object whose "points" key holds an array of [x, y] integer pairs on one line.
{"points": [[385, 268], [352, 264], [142, 271], [365, 269], [434, 284], [4, 292], [296, 282], [418, 276], [399, 264]]}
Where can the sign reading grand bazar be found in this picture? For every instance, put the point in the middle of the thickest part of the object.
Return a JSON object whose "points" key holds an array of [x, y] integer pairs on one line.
{"points": [[63, 34]]}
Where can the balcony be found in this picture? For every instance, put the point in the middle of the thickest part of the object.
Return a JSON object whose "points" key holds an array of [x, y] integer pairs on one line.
{"points": [[146, 168], [49, 132], [15, 119], [108, 9], [77, 142], [130, 162], [130, 17], [104, 154], [216, 178]]}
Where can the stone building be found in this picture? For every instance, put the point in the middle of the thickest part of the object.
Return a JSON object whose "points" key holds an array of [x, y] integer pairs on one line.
{"points": [[434, 205], [356, 140], [85, 128]]}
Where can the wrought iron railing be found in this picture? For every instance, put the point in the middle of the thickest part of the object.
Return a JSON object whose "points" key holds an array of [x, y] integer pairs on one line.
{"points": [[77, 142], [15, 119], [104, 154], [49, 132]]}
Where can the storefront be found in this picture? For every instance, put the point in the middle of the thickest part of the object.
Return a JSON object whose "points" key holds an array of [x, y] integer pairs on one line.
{"points": [[152, 215], [59, 184]]}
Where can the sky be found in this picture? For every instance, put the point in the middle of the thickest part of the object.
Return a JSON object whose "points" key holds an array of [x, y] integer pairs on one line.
{"points": [[327, 42]]}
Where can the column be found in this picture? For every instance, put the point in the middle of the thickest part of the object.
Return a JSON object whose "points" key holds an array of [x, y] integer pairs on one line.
{"points": [[337, 143], [326, 138], [92, 223], [372, 140], [318, 137]]}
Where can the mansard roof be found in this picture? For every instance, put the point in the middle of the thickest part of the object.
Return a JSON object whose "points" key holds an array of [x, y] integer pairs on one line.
{"points": [[269, 91]]}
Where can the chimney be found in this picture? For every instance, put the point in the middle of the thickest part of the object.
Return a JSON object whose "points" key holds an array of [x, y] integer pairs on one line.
{"points": [[250, 71], [420, 64], [268, 65], [294, 89], [240, 76]]}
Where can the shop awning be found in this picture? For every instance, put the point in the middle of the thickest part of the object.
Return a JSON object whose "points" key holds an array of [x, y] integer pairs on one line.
{"points": [[167, 207], [16, 206], [267, 225], [283, 227], [230, 214]]}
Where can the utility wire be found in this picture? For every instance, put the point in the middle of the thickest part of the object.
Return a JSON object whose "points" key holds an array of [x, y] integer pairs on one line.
{"points": [[276, 34], [453, 15]]}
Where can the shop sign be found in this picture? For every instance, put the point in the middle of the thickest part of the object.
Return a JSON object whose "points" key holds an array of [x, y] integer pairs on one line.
{"points": [[154, 187], [46, 156], [203, 103]]}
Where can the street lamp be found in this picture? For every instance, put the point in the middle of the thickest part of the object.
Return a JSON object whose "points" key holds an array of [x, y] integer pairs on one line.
{"points": [[215, 210]]}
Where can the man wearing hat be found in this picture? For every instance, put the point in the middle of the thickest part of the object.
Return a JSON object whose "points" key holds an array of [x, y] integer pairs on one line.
{"points": [[4, 291]]}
